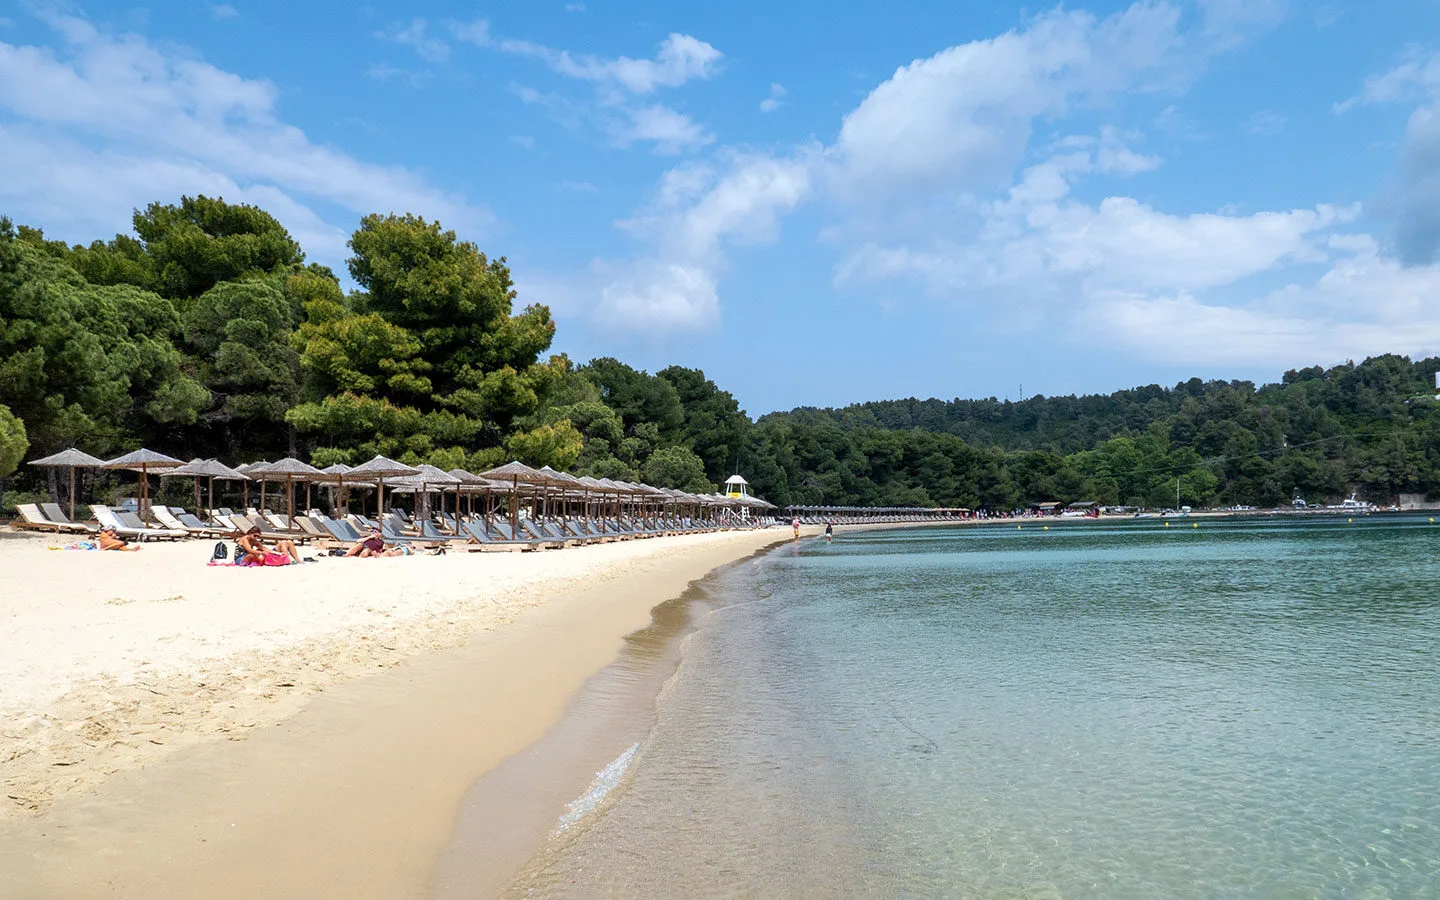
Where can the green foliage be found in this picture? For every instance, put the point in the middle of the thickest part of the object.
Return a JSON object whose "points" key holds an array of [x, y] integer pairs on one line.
{"points": [[428, 355], [555, 445], [241, 332], [87, 362], [13, 442], [201, 241], [679, 468], [715, 426]]}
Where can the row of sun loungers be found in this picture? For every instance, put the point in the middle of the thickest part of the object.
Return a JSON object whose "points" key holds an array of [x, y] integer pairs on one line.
{"points": [[473, 533]]}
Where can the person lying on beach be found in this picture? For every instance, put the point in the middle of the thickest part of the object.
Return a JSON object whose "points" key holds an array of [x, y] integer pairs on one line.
{"points": [[255, 553], [109, 540], [370, 545]]}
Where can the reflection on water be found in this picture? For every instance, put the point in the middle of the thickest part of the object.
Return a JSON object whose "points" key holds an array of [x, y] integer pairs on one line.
{"points": [[1246, 709]]}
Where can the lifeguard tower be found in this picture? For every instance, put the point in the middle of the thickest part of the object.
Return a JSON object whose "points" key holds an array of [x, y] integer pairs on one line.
{"points": [[735, 487]]}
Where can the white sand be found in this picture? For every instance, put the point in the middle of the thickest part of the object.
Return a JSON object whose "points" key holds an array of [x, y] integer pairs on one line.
{"points": [[113, 661]]}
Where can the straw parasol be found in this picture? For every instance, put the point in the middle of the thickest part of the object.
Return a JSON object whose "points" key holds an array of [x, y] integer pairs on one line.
{"points": [[288, 470], [210, 469], [429, 477], [379, 469], [335, 476], [516, 472], [252, 470], [143, 461], [71, 459]]}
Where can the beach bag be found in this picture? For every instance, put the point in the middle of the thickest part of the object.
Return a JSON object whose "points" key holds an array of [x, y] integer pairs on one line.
{"points": [[219, 552]]}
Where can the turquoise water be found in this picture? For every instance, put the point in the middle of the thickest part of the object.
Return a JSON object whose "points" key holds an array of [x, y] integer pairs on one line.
{"points": [[1243, 709]]}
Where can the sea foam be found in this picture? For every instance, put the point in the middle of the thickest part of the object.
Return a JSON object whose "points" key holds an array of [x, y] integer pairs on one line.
{"points": [[605, 781]]}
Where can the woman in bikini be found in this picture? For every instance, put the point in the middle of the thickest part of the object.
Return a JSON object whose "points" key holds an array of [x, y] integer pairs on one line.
{"points": [[255, 553], [370, 545]]}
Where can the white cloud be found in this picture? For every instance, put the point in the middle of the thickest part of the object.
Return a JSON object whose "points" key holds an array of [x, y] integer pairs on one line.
{"points": [[223, 11], [696, 212], [171, 124], [776, 98], [1265, 122], [1363, 305], [620, 82], [386, 72], [416, 36], [961, 119], [475, 32], [660, 296], [1416, 79], [670, 131], [681, 58]]}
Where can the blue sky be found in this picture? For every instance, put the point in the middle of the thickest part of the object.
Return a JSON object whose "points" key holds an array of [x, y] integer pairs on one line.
{"points": [[816, 203]]}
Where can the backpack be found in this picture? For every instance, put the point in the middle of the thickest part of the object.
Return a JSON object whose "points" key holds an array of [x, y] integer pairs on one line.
{"points": [[219, 552]]}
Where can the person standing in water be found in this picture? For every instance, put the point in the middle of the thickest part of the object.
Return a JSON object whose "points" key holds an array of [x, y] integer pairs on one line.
{"points": [[795, 523], [829, 532]]}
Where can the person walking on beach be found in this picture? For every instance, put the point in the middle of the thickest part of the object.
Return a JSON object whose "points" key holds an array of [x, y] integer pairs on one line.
{"points": [[795, 523]]}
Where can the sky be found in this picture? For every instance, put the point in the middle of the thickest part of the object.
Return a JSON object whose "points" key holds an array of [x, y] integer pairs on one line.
{"points": [[816, 203]]}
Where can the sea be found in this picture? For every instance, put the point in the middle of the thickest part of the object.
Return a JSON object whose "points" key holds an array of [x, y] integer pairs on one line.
{"points": [[1177, 708]]}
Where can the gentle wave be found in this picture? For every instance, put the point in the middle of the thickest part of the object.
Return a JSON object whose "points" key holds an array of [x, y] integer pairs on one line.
{"points": [[605, 781]]}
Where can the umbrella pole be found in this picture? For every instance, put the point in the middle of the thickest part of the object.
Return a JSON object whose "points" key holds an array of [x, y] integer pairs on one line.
{"points": [[307, 496], [515, 504], [72, 493], [197, 493], [210, 497]]}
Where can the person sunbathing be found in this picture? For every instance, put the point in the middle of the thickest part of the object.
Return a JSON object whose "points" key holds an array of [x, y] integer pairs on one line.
{"points": [[109, 540], [255, 553], [370, 545]]}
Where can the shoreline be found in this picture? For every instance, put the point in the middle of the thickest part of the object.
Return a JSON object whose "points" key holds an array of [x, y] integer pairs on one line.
{"points": [[353, 790]]}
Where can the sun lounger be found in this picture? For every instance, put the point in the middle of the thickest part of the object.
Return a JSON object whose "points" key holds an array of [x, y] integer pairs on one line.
{"points": [[129, 525], [476, 531], [268, 530], [430, 533], [55, 514], [174, 523], [35, 520], [130, 520]]}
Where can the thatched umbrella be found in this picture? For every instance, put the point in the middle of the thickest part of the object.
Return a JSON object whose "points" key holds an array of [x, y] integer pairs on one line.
{"points": [[143, 461], [514, 473], [288, 470], [334, 476], [210, 469], [377, 470], [71, 459], [466, 483], [252, 470], [564, 480], [429, 477]]}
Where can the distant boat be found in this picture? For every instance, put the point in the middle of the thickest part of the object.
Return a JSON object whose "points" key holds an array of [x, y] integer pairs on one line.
{"points": [[1352, 505], [1142, 515]]}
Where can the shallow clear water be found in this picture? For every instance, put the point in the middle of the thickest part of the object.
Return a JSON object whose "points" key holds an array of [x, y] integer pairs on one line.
{"points": [[1243, 709]]}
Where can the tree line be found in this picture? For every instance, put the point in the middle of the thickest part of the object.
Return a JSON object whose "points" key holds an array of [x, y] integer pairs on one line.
{"points": [[206, 333]]}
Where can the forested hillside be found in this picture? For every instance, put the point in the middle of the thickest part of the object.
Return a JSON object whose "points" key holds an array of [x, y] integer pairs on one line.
{"points": [[205, 332]]}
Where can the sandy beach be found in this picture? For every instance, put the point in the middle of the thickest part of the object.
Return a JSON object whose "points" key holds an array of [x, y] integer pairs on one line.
{"points": [[173, 729]]}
